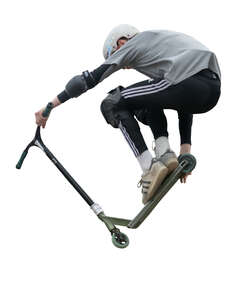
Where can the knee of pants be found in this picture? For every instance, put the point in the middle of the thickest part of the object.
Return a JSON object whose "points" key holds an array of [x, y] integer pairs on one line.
{"points": [[110, 107]]}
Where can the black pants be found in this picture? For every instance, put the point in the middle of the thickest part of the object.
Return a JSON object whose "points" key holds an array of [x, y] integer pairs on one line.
{"points": [[195, 95]]}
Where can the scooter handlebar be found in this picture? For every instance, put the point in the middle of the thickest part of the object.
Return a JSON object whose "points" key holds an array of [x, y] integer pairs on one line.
{"points": [[45, 114], [20, 162], [47, 110]]}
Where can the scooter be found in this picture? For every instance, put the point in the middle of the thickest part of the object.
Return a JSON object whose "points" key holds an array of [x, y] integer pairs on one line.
{"points": [[187, 163]]}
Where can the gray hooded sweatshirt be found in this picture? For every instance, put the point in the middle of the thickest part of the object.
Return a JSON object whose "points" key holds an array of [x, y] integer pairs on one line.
{"points": [[163, 54]]}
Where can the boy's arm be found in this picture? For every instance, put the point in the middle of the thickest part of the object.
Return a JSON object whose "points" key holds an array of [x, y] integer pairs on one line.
{"points": [[185, 125], [78, 85], [87, 80], [123, 57]]}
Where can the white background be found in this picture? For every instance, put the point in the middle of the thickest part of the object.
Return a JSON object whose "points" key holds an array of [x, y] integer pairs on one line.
{"points": [[52, 246]]}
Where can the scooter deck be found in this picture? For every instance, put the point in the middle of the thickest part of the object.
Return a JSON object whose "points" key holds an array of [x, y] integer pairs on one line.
{"points": [[151, 204], [162, 191]]}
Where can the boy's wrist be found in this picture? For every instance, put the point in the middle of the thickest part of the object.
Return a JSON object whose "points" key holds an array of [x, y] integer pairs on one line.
{"points": [[56, 102], [185, 148]]}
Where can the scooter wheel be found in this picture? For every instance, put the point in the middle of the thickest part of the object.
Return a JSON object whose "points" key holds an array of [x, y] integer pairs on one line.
{"points": [[120, 240], [191, 162]]}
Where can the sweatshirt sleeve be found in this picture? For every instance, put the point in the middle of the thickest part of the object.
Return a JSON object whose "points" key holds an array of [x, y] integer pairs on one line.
{"points": [[126, 56], [185, 125], [91, 79]]}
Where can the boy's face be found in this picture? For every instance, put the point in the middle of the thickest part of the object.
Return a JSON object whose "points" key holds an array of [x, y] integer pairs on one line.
{"points": [[120, 43]]}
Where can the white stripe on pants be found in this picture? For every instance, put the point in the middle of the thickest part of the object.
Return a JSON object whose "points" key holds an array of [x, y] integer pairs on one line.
{"points": [[130, 142], [145, 90]]}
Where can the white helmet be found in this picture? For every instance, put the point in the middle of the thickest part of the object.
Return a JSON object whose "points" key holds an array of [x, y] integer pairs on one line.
{"points": [[123, 30]]}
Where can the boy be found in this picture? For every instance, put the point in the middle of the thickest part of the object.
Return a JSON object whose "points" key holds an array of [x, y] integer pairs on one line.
{"points": [[184, 76]]}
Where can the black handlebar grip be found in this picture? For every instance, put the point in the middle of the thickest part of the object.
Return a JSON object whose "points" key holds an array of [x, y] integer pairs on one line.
{"points": [[47, 110], [20, 162]]}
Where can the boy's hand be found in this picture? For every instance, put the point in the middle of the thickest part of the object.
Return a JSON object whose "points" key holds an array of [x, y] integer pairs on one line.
{"points": [[40, 120], [184, 177]]}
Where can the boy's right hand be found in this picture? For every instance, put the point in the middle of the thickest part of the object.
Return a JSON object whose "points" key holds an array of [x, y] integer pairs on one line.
{"points": [[40, 120]]}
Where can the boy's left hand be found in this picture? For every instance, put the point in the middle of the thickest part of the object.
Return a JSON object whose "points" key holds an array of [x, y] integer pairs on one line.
{"points": [[184, 177]]}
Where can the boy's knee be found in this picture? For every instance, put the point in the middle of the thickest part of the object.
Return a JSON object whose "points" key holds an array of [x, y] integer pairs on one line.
{"points": [[111, 108]]}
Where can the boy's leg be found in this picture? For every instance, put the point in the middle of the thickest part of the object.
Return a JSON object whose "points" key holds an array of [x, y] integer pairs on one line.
{"points": [[196, 94], [131, 131], [158, 95], [142, 100], [154, 115], [118, 115], [157, 121], [153, 171]]}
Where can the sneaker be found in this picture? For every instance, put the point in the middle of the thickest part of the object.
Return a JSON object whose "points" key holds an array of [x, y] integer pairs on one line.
{"points": [[169, 159], [151, 180]]}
